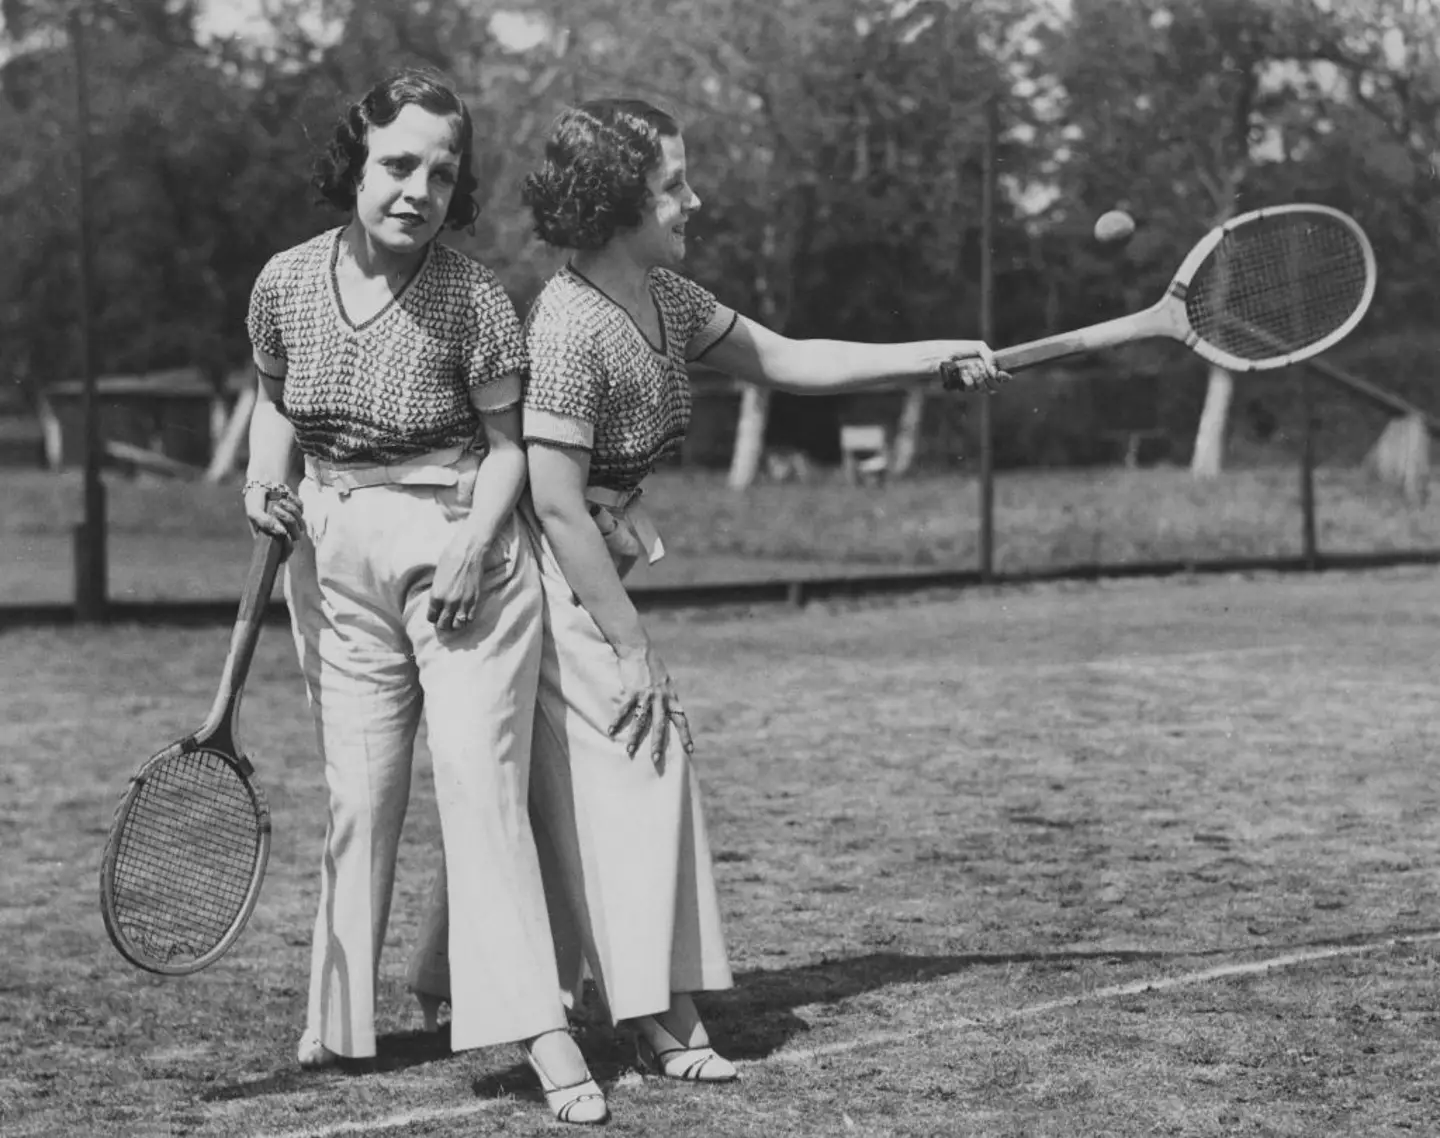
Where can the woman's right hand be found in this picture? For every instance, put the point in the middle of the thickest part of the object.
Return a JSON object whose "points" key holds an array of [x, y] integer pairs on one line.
{"points": [[650, 705], [970, 365], [273, 508]]}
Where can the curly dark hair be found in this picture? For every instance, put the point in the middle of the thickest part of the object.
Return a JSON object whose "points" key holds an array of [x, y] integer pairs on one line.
{"points": [[592, 183], [339, 168]]}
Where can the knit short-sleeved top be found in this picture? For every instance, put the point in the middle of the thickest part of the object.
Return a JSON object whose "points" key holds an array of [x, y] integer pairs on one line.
{"points": [[597, 383], [399, 384]]}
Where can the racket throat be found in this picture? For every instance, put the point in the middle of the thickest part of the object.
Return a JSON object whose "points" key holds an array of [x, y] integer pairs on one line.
{"points": [[221, 729], [1165, 319]]}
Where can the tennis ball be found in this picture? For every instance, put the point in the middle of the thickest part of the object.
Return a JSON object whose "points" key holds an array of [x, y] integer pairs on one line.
{"points": [[1114, 227]]}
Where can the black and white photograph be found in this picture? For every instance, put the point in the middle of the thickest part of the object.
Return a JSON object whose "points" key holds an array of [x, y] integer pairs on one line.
{"points": [[726, 568]]}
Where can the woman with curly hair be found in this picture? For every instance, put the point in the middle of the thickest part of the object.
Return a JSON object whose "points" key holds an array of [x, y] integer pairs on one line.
{"points": [[622, 839], [389, 390]]}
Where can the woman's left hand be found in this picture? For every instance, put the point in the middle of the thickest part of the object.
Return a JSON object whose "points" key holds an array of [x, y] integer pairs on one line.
{"points": [[455, 589], [649, 705], [970, 364]]}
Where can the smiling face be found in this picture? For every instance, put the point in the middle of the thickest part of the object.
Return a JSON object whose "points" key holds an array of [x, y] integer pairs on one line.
{"points": [[659, 241], [411, 170]]}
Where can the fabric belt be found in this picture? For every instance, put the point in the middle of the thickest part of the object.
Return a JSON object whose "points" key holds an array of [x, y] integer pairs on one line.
{"points": [[623, 521], [438, 468]]}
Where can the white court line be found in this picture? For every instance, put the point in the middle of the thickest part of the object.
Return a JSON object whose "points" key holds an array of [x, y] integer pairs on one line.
{"points": [[1127, 661], [1111, 992], [1130, 659], [391, 1121], [412, 1117], [884, 1038]]}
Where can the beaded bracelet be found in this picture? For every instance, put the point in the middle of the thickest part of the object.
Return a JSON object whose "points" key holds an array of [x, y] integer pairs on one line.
{"points": [[272, 489]]}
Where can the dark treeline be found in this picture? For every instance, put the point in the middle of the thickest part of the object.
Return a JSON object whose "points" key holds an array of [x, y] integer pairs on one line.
{"points": [[838, 145]]}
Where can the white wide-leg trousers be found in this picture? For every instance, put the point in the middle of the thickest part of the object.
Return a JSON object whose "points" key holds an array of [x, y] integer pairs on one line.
{"points": [[622, 840], [358, 590]]}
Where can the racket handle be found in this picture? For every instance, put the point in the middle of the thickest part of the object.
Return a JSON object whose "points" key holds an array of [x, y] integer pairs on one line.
{"points": [[1158, 320], [254, 599], [260, 578]]}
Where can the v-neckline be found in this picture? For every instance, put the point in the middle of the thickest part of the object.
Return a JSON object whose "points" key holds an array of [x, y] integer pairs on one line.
{"points": [[338, 299], [664, 348]]}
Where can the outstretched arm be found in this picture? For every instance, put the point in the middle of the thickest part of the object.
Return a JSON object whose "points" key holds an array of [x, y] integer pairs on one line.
{"points": [[754, 353]]}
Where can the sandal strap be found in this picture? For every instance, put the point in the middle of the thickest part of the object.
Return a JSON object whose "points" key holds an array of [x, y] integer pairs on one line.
{"points": [[562, 1112], [692, 1071], [583, 1083], [696, 1067]]}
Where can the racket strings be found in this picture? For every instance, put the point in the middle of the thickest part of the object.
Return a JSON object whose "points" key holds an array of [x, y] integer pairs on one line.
{"points": [[186, 856], [1278, 284]]}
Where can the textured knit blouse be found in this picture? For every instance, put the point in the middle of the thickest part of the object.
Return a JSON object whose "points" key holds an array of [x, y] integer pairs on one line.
{"points": [[397, 385], [597, 383]]}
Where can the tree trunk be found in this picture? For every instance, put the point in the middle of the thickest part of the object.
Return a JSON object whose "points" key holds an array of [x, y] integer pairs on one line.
{"points": [[749, 436], [755, 401], [907, 432], [232, 438], [51, 433], [1208, 458], [1401, 457]]}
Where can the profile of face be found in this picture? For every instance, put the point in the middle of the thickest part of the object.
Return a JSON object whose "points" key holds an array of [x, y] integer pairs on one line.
{"points": [[411, 171], [659, 240]]}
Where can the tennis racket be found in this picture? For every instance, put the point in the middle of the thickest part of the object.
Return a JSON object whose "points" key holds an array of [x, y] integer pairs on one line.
{"points": [[191, 837], [1266, 289]]}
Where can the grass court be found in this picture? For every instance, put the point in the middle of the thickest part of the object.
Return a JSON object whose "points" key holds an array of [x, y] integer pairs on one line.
{"points": [[1120, 859]]}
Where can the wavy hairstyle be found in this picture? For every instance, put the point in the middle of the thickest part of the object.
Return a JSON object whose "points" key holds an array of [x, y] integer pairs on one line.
{"points": [[340, 166], [592, 182]]}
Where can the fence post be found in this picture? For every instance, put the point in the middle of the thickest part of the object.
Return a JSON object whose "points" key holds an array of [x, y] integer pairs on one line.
{"points": [[1307, 470], [987, 333], [89, 539]]}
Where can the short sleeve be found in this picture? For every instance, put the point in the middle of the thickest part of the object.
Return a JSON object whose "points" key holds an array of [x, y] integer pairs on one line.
{"points": [[496, 357], [262, 322], [566, 386], [700, 320], [716, 328]]}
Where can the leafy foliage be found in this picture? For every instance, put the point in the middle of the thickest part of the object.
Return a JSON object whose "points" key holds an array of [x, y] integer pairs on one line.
{"points": [[838, 145]]}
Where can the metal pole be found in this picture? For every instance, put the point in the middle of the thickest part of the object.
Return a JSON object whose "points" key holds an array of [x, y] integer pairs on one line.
{"points": [[89, 544], [1309, 544], [987, 333], [1307, 470]]}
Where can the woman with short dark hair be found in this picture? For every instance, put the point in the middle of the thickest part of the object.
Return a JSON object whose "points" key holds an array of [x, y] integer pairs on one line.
{"points": [[390, 370]]}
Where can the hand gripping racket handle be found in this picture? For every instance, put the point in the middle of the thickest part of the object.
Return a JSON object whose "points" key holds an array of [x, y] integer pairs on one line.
{"points": [[254, 599]]}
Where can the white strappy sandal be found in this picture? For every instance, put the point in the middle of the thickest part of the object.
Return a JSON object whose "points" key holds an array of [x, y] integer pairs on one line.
{"points": [[690, 1064], [581, 1103]]}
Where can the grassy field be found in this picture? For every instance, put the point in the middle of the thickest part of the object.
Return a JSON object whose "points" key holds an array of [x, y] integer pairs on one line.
{"points": [[1127, 859], [178, 541]]}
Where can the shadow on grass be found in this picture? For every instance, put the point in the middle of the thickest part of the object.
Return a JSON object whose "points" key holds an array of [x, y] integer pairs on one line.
{"points": [[605, 1050], [393, 1053], [753, 1020]]}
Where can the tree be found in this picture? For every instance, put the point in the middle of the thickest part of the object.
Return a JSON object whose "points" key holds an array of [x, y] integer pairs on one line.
{"points": [[169, 136], [1174, 107]]}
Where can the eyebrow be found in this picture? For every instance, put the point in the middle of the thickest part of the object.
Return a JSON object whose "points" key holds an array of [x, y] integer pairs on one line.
{"points": [[452, 159]]}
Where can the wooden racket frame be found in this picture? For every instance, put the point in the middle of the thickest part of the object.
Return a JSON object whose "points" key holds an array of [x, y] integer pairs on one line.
{"points": [[219, 735], [1167, 318]]}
